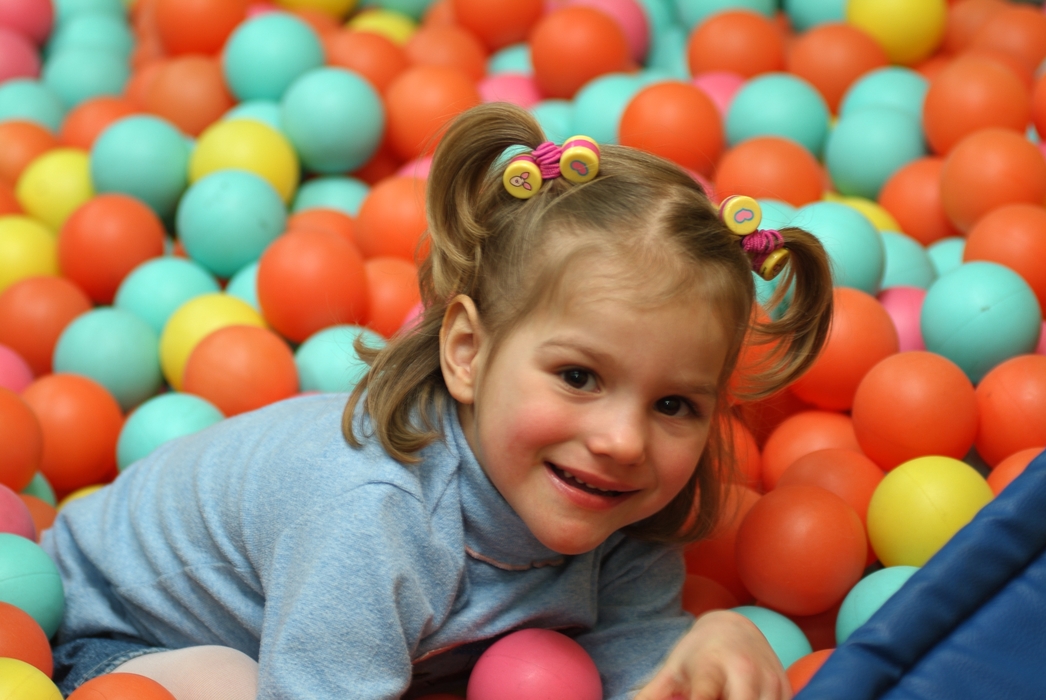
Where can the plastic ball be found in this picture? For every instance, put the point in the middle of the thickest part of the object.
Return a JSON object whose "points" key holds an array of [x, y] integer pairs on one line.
{"points": [[1018, 31], [27, 249], [854, 247], [920, 505], [334, 119], [498, 23], [267, 112], [228, 218], [324, 220], [334, 8], [979, 315], [535, 663], [33, 313], [599, 104], [391, 220], [420, 102], [41, 489], [243, 285], [395, 26], [676, 121], [701, 594], [946, 254], [190, 92], [93, 30], [870, 594], [55, 185], [739, 41], [556, 117], [197, 26], [965, 19], [264, 55], [31, 18], [1013, 235], [782, 105], [894, 86], [721, 86], [155, 289], [344, 194], [86, 122], [1010, 468], [327, 361], [848, 474], [392, 291], [15, 373], [248, 145], [912, 195], [372, 56], [866, 147], [907, 263], [716, 556], [78, 74], [881, 219], [18, 56], [904, 305], [520, 90], [801, 434], [42, 513], [22, 99], [770, 167], [121, 686], [832, 57], [573, 45], [20, 144], [25, 682], [1011, 399], [14, 515], [785, 638], [514, 58], [909, 30], [21, 446], [449, 46], [161, 419], [29, 580], [803, 669], [23, 639], [807, 14]]}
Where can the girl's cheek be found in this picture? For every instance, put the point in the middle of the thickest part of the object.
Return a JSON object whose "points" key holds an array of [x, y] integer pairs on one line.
{"points": [[541, 423]]}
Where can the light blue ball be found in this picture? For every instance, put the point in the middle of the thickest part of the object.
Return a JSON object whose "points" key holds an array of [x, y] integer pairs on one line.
{"points": [[244, 285], [511, 59], [268, 112], [776, 214], [784, 636], [160, 419], [660, 15], [779, 104], [77, 74], [599, 104], [228, 218], [415, 9], [869, 145], [155, 289], [115, 348], [907, 263], [345, 194], [867, 596], [693, 12], [144, 157], [806, 14], [328, 363], [29, 580], [556, 118], [31, 100], [264, 55], [67, 10], [668, 52], [334, 119], [893, 86], [946, 254], [980, 315], [854, 246], [41, 488], [94, 30]]}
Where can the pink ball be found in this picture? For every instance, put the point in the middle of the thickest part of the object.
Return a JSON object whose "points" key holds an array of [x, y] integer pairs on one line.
{"points": [[418, 168], [261, 8], [14, 515], [30, 18], [413, 316], [1041, 350], [720, 86], [18, 56], [520, 90], [904, 305], [15, 373], [629, 14], [535, 663]]}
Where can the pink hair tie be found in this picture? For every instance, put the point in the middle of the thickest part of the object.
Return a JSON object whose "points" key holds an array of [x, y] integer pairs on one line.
{"points": [[576, 160], [764, 247]]}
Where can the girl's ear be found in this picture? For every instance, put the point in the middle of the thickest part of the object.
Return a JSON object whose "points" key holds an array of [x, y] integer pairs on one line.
{"points": [[460, 339]]}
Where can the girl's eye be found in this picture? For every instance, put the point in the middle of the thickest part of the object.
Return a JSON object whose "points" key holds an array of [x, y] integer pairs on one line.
{"points": [[674, 406], [578, 378]]}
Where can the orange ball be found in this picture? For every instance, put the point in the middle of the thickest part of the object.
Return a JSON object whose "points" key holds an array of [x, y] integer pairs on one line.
{"points": [[391, 220], [21, 441], [1019, 31], [20, 144], [801, 434], [715, 557], [748, 462], [137, 88], [241, 368], [1011, 399], [831, 57], [198, 26], [862, 334], [373, 56], [42, 513], [915, 404], [701, 594], [1013, 235], [323, 23], [81, 422], [989, 169], [737, 41], [1010, 468], [497, 23], [1038, 105], [912, 195], [773, 168], [1012, 62], [8, 201], [104, 240], [677, 121], [189, 92], [801, 549], [34, 312], [23, 639], [320, 219], [420, 102], [801, 671], [848, 474], [392, 288], [310, 280], [973, 93], [383, 164], [763, 417], [572, 45], [448, 46], [965, 19], [121, 686], [85, 122]]}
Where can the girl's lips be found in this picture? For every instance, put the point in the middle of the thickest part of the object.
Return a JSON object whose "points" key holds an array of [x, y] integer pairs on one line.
{"points": [[596, 482], [605, 496]]}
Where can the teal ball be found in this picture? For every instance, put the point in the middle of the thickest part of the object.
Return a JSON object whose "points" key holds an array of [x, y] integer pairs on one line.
{"points": [[854, 246], [328, 363], [94, 30], [32, 101], [693, 12], [599, 104], [786, 639], [155, 289], [511, 59], [79, 74], [894, 86], [779, 104], [264, 55], [867, 596], [556, 118], [807, 14], [268, 112], [946, 254], [869, 145], [159, 420], [344, 194], [907, 262], [29, 580], [244, 285]]}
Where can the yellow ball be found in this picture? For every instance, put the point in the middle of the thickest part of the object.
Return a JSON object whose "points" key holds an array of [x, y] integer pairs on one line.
{"points": [[247, 144], [79, 493], [880, 218], [394, 26], [27, 249], [335, 8], [917, 508], [22, 681], [909, 30], [195, 320], [55, 185]]}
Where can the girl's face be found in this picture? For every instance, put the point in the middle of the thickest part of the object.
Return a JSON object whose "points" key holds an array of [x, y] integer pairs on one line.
{"points": [[592, 416]]}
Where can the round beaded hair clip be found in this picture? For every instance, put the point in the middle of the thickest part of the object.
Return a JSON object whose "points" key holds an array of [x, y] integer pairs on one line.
{"points": [[765, 247], [577, 160]]}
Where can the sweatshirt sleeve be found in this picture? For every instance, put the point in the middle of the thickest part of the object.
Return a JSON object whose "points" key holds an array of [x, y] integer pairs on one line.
{"points": [[351, 590], [640, 615]]}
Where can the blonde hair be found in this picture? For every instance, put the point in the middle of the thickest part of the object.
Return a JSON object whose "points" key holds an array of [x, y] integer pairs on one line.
{"points": [[506, 254]]}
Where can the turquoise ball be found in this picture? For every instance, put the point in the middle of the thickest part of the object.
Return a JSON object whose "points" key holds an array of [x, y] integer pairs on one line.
{"points": [[784, 636], [67, 10], [244, 285], [556, 118], [94, 30], [979, 315], [693, 12], [115, 348], [946, 254], [854, 246], [668, 52], [660, 15], [779, 104], [268, 112], [867, 596], [907, 262], [32, 101], [41, 488], [78, 74], [806, 14], [160, 419], [155, 289], [264, 55], [894, 86], [328, 363], [869, 145], [599, 104], [29, 580], [415, 9], [344, 194], [511, 59]]}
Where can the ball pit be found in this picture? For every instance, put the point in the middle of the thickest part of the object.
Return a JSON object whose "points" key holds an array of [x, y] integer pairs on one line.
{"points": [[33, 314], [770, 167], [853, 245], [189, 92], [909, 30], [833, 57], [157, 288], [778, 104], [869, 145], [801, 434], [21, 142], [1013, 235], [893, 86], [160, 419], [30, 100], [327, 361], [675, 121], [907, 262], [248, 145], [267, 53], [1010, 468]]}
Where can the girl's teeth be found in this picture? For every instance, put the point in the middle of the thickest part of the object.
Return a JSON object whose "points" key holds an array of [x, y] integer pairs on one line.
{"points": [[586, 483]]}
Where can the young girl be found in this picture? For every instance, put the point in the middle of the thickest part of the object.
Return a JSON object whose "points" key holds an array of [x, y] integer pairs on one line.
{"points": [[532, 454]]}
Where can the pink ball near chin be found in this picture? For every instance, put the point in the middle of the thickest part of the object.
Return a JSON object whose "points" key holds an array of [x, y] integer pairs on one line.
{"points": [[18, 56], [520, 90], [630, 16], [15, 373], [904, 305], [535, 663], [720, 86]]}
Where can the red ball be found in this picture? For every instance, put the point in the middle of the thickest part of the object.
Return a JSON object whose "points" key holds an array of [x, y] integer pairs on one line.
{"points": [[448, 46], [1038, 105], [371, 55], [310, 280], [965, 19], [715, 557], [748, 463], [33, 313], [770, 167], [20, 144], [535, 663], [1013, 235], [737, 41], [86, 122], [21, 441], [420, 102], [1010, 468], [801, 549], [989, 169], [801, 434], [121, 686], [198, 26], [1018, 31], [912, 195], [8, 201], [23, 639], [330, 220], [848, 474], [573, 45], [701, 594], [832, 56], [104, 240], [189, 92], [801, 671], [497, 23], [1011, 399], [240, 369], [391, 220], [677, 121], [392, 288]]}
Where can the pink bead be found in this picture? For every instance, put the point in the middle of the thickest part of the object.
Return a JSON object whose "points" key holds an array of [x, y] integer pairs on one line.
{"points": [[520, 90], [30, 18], [15, 373], [904, 305], [629, 14], [14, 515], [720, 86], [18, 56], [416, 168], [535, 663]]}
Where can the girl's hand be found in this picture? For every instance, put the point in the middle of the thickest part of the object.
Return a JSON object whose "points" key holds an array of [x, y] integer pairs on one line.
{"points": [[724, 656]]}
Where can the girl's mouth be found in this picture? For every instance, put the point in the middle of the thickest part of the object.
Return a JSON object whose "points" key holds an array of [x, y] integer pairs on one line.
{"points": [[574, 482]]}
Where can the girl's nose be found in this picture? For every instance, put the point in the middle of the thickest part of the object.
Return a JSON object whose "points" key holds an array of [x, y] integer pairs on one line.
{"points": [[619, 432]]}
